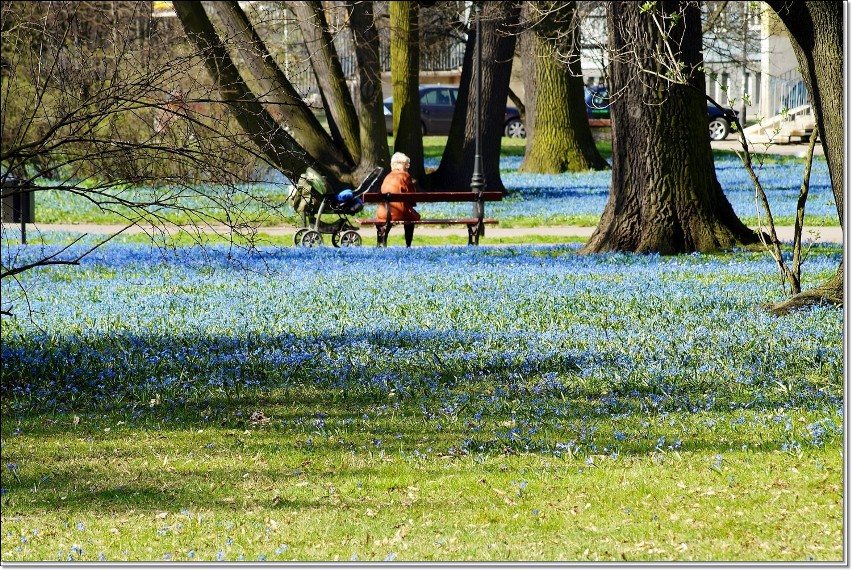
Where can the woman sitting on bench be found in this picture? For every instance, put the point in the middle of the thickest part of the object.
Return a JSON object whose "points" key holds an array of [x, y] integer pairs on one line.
{"points": [[399, 181]]}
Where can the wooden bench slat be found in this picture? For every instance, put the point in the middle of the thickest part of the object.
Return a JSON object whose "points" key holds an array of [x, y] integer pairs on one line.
{"points": [[379, 198], [466, 221]]}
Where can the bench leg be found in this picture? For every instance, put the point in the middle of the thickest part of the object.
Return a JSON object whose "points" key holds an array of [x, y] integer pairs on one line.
{"points": [[473, 233]]}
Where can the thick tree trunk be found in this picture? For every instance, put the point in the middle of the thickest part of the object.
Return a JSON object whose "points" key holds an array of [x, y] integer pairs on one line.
{"points": [[405, 71], [270, 110], [664, 195], [498, 48], [816, 34], [558, 135]]}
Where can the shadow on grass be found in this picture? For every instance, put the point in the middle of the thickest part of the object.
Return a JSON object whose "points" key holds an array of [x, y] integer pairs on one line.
{"points": [[437, 372], [324, 475]]}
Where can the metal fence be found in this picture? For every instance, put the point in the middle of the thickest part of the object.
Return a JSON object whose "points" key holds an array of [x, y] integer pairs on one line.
{"points": [[448, 57], [787, 91]]}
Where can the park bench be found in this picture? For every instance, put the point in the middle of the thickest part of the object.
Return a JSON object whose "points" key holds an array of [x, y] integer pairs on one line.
{"points": [[475, 224]]}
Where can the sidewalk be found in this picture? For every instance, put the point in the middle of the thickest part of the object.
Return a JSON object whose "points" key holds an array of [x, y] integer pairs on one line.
{"points": [[831, 234], [796, 149]]}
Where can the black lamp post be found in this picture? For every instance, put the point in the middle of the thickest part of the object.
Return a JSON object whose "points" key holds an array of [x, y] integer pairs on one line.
{"points": [[477, 181]]}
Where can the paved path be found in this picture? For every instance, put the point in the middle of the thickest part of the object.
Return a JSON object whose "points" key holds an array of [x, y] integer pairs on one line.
{"points": [[832, 234], [794, 149]]}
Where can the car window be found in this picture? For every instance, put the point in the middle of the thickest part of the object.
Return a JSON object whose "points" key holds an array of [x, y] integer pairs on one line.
{"points": [[437, 97], [600, 100]]}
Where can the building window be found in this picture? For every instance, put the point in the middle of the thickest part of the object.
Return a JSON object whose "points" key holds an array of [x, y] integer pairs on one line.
{"points": [[757, 88], [747, 87]]}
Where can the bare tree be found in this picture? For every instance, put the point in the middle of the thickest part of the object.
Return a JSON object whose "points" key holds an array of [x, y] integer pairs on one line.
{"points": [[253, 85], [99, 103], [499, 21], [816, 33]]}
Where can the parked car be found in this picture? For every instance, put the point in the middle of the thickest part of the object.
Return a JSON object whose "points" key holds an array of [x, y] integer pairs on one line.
{"points": [[719, 126], [597, 102], [437, 103], [597, 107]]}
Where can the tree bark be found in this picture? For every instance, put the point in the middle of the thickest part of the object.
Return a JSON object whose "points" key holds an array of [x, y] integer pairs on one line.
{"points": [[816, 34], [276, 92], [664, 196], [374, 140], [498, 21], [559, 138], [405, 71], [829, 292], [272, 112], [276, 144], [339, 108]]}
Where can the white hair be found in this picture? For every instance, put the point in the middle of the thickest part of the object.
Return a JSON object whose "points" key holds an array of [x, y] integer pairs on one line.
{"points": [[399, 158]]}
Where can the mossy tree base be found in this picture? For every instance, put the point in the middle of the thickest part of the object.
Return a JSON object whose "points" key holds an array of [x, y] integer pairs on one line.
{"points": [[830, 292]]}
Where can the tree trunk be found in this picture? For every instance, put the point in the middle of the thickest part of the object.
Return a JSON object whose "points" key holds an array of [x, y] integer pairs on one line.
{"points": [[498, 48], [279, 122], [558, 135], [816, 34], [829, 292], [276, 92], [405, 71], [277, 145], [374, 140], [339, 108], [664, 196]]}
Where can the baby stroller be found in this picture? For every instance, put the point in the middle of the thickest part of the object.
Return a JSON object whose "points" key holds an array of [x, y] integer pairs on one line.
{"points": [[311, 199]]}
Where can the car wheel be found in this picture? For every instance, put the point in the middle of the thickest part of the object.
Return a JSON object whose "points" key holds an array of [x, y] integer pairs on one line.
{"points": [[515, 129], [719, 129]]}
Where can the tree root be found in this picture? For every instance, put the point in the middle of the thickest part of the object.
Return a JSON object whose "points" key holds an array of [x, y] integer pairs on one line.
{"points": [[828, 293]]}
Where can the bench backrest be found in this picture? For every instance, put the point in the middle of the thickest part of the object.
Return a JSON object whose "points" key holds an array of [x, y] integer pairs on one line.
{"points": [[466, 196]]}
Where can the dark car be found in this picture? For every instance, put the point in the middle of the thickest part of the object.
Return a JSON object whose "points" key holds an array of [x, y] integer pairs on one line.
{"points": [[597, 107], [719, 125], [437, 103], [597, 102]]}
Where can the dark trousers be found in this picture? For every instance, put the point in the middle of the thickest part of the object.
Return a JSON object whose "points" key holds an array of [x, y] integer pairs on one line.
{"points": [[409, 233]]}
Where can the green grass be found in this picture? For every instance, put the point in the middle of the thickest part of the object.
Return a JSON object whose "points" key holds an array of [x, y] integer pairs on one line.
{"points": [[288, 490], [433, 147], [377, 475]]}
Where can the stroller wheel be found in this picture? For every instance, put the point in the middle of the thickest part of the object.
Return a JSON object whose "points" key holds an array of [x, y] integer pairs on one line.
{"points": [[311, 238], [349, 238], [297, 239]]}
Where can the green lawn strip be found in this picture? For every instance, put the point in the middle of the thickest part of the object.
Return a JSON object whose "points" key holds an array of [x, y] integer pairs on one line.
{"points": [[378, 487]]}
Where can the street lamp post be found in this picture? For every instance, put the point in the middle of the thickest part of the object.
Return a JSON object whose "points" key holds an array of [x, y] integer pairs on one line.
{"points": [[477, 180]]}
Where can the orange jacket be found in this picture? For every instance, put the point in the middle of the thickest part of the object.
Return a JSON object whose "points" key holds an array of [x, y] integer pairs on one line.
{"points": [[398, 182]]}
